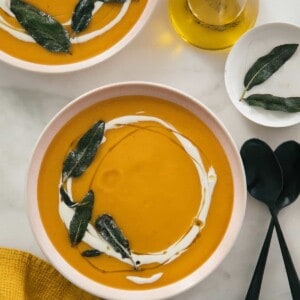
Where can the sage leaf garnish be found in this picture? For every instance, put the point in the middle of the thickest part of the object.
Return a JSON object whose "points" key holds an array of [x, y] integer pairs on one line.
{"points": [[42, 27], [81, 219], [91, 253], [109, 230], [82, 15], [270, 102], [112, 1], [66, 198], [80, 159], [267, 65]]}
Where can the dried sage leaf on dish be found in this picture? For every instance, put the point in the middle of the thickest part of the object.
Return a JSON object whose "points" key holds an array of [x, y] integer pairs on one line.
{"points": [[42, 27], [82, 15], [80, 159], [109, 230], [91, 253], [267, 65], [271, 102], [81, 219]]}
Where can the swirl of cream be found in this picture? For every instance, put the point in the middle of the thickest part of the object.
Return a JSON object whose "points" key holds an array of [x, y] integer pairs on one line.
{"points": [[207, 180]]}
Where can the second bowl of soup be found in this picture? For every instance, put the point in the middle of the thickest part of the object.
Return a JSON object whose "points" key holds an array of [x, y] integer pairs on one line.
{"points": [[62, 36]]}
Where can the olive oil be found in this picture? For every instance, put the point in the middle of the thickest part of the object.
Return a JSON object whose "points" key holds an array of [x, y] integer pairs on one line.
{"points": [[197, 22]]}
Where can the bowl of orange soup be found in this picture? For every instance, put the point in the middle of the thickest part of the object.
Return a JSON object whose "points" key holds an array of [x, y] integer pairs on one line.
{"points": [[135, 191], [55, 36]]}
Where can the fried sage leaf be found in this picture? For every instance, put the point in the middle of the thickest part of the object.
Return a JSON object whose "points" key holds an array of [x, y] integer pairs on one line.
{"points": [[267, 65], [109, 230], [82, 15], [91, 253], [43, 28], [66, 198], [80, 159], [113, 1], [81, 219], [270, 102]]}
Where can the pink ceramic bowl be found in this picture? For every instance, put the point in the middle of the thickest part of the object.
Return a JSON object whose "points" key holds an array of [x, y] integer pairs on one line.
{"points": [[169, 94]]}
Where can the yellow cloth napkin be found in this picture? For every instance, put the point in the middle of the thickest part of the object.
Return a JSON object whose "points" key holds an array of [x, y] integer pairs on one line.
{"points": [[24, 276]]}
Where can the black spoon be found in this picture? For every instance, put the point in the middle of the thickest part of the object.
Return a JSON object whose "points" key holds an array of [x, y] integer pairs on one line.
{"points": [[288, 155], [265, 183]]}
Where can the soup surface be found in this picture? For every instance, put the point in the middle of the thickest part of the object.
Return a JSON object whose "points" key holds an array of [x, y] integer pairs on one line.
{"points": [[157, 173], [109, 24]]}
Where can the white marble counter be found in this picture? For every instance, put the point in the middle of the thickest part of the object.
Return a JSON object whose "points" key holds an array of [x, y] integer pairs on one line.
{"points": [[28, 101]]}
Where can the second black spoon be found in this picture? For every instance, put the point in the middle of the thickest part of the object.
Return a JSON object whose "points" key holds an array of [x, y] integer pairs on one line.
{"points": [[273, 180]]}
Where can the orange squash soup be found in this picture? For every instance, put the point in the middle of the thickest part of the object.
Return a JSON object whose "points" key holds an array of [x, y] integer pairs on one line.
{"points": [[156, 195], [110, 22]]}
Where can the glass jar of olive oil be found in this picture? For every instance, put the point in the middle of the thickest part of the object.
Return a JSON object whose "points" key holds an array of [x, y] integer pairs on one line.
{"points": [[212, 24]]}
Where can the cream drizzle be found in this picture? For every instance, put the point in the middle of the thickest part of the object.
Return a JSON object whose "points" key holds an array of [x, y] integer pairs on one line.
{"points": [[144, 280], [207, 182], [23, 36], [5, 6]]}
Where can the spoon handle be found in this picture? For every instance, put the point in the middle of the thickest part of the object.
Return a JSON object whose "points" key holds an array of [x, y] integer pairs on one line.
{"points": [[289, 266], [255, 284]]}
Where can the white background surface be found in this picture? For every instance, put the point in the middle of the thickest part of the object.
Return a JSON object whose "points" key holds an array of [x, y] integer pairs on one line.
{"points": [[29, 100]]}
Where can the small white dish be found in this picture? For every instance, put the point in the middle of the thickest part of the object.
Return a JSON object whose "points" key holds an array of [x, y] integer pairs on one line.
{"points": [[254, 44]]}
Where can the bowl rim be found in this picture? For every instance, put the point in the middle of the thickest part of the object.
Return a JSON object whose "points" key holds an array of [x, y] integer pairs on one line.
{"points": [[174, 96], [89, 62]]}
